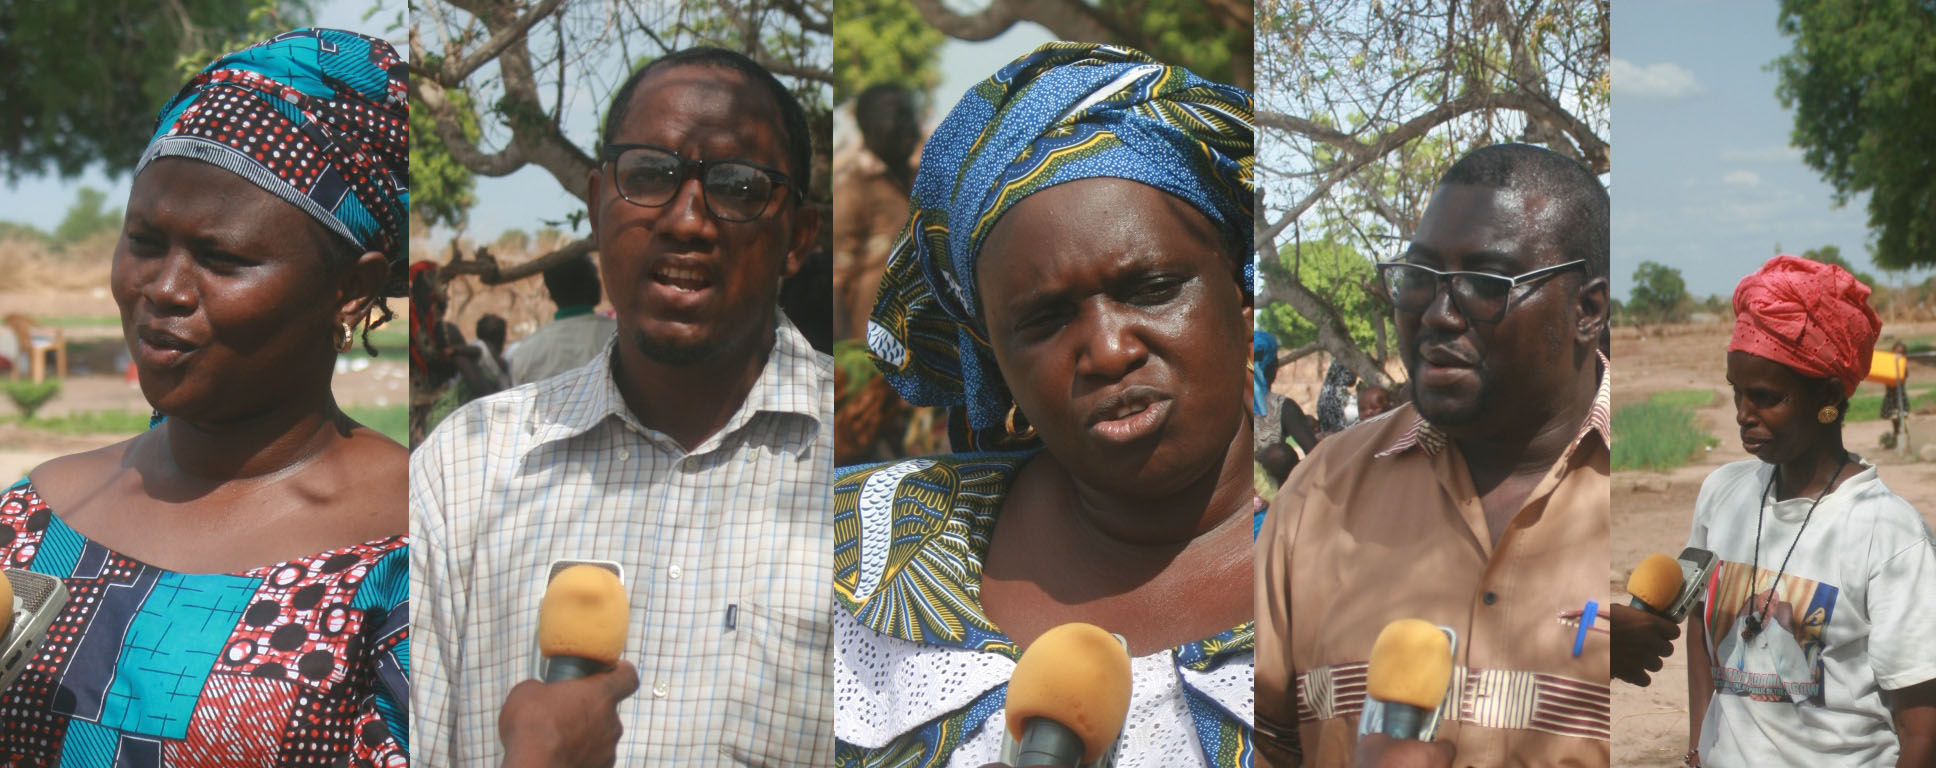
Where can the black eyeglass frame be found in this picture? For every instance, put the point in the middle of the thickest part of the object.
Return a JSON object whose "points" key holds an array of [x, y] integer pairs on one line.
{"points": [[689, 168], [1443, 277]]}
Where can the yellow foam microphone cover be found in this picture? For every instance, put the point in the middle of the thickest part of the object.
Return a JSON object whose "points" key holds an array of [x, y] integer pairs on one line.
{"points": [[6, 603], [584, 614], [1656, 581], [1411, 663], [1077, 675]]}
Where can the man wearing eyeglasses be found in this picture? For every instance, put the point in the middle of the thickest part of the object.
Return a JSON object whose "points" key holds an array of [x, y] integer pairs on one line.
{"points": [[693, 453], [1480, 506]]}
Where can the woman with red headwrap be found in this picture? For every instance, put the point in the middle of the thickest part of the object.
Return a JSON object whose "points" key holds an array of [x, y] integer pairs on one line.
{"points": [[1810, 647]]}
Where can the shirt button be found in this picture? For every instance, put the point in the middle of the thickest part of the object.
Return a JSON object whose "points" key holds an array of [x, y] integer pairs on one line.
{"points": [[659, 690], [674, 572], [624, 454], [1491, 597]]}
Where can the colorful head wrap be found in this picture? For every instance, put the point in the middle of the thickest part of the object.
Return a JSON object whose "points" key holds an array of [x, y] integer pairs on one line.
{"points": [[1066, 111], [1809, 316], [318, 117]]}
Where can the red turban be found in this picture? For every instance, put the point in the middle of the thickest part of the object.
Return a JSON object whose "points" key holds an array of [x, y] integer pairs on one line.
{"points": [[1809, 316]]}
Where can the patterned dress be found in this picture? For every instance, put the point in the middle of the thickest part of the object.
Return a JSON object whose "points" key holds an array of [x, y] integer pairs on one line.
{"points": [[921, 672], [298, 663]]}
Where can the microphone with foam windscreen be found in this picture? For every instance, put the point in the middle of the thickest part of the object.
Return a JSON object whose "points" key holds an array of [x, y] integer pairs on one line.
{"points": [[582, 620], [1409, 672], [29, 602], [1668, 587], [1067, 698]]}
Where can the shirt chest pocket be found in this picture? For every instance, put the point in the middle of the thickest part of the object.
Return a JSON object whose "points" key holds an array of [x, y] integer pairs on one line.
{"points": [[779, 709]]}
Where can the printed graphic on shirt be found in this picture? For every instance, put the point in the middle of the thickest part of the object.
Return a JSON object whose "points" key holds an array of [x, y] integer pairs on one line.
{"points": [[1783, 660]]}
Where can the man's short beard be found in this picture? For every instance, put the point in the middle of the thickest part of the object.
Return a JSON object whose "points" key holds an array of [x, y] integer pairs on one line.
{"points": [[673, 354], [1439, 415]]}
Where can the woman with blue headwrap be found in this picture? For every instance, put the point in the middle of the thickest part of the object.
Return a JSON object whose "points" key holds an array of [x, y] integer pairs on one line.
{"points": [[238, 574], [1074, 281]]}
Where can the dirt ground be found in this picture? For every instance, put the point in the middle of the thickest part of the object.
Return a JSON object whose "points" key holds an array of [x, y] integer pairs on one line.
{"points": [[1653, 510]]}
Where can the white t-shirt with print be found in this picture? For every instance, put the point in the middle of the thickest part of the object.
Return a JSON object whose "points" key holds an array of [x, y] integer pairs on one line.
{"points": [[1854, 619]]}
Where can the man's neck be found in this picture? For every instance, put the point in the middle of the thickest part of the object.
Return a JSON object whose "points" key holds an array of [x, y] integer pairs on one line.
{"points": [[689, 402], [259, 445], [1531, 449]]}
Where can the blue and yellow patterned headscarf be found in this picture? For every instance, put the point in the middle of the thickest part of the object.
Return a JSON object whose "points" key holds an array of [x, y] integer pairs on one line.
{"points": [[1066, 111]]}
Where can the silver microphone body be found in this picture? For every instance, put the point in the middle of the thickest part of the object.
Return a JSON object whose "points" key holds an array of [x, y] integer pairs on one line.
{"points": [[37, 600]]}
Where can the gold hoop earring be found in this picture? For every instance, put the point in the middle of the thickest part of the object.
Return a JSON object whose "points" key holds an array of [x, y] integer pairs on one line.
{"points": [[1012, 431], [1828, 414], [347, 340]]}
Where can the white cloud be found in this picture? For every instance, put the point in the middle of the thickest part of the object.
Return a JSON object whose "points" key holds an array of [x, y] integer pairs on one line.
{"points": [[1742, 178], [1665, 80]]}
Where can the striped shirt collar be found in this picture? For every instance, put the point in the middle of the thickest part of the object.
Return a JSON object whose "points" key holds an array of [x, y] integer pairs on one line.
{"points": [[1421, 434], [789, 385]]}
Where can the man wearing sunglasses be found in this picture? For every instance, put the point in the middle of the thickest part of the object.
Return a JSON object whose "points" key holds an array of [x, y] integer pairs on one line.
{"points": [[693, 452], [1481, 505]]}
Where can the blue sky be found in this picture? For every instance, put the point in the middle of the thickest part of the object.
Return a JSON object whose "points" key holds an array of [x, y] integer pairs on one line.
{"points": [[1708, 183]]}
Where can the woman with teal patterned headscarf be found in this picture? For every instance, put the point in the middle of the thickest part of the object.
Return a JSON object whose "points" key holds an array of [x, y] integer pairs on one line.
{"points": [[1074, 283], [237, 576]]}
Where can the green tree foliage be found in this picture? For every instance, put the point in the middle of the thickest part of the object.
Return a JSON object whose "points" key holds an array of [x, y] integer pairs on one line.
{"points": [[85, 218], [84, 79], [1659, 294], [442, 190], [883, 41], [1829, 254], [1338, 274], [1862, 82]]}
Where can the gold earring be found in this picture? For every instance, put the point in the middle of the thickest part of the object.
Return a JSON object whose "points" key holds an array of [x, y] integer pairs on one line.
{"points": [[1014, 433], [348, 339], [1827, 414]]}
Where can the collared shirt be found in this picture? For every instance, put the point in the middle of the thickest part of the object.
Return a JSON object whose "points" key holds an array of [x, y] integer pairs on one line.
{"points": [[567, 343], [1382, 522], [725, 549]]}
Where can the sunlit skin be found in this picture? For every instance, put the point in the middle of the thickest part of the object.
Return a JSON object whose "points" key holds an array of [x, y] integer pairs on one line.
{"points": [[231, 303], [1121, 328], [687, 355], [1512, 393]]}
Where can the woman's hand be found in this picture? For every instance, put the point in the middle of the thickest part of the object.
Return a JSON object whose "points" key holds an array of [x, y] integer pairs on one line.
{"points": [[567, 724]]}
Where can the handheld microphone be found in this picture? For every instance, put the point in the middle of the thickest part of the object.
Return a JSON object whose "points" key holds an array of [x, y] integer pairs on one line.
{"points": [[1410, 670], [1067, 698], [582, 620], [1668, 587], [29, 602]]}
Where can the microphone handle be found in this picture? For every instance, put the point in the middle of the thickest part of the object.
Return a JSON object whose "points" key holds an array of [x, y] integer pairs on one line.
{"points": [[1404, 721], [560, 668], [1046, 742]]}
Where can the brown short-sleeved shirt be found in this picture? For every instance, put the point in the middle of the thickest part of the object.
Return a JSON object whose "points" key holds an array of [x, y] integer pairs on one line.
{"points": [[1381, 523]]}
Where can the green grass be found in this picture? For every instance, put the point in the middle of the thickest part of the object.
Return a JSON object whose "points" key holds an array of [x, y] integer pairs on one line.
{"points": [[89, 423], [1658, 434], [392, 341], [1868, 407], [392, 420], [1685, 398]]}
